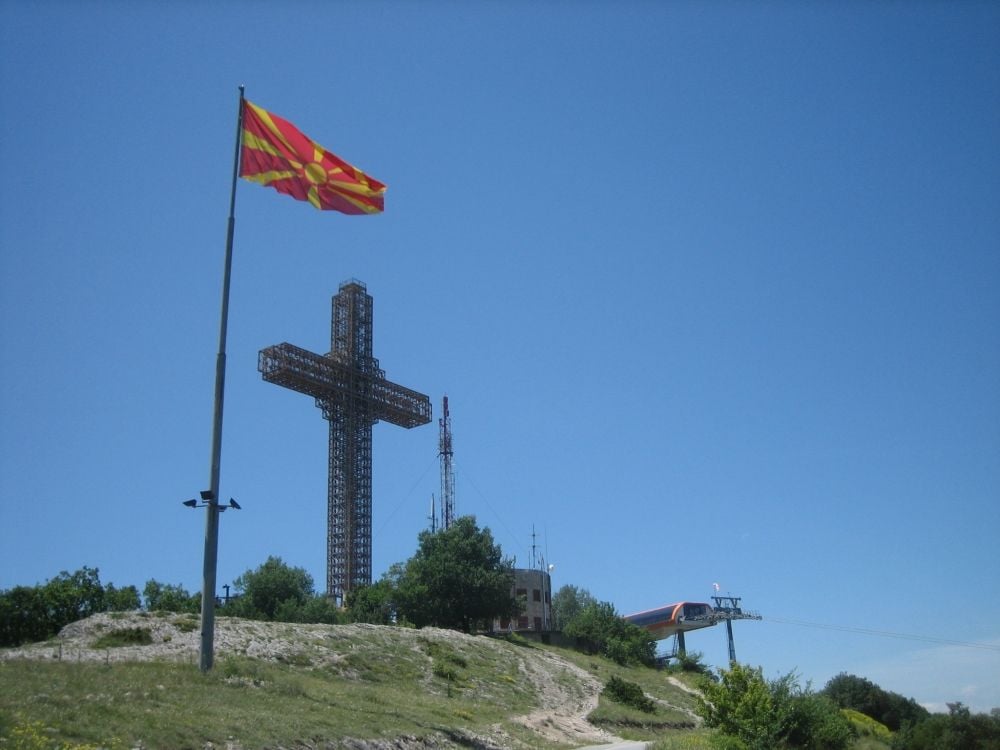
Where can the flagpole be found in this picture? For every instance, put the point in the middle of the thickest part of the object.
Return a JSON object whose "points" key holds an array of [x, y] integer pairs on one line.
{"points": [[212, 507]]}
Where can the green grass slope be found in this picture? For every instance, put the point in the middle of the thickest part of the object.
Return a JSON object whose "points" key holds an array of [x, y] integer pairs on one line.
{"points": [[130, 681]]}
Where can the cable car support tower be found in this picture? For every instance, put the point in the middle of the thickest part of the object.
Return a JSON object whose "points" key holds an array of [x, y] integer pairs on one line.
{"points": [[728, 608]]}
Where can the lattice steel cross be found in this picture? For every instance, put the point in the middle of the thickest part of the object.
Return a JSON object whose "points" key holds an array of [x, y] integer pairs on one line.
{"points": [[353, 393]]}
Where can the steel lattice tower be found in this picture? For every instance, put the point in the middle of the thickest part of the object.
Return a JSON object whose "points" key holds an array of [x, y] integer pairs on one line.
{"points": [[351, 390], [447, 474]]}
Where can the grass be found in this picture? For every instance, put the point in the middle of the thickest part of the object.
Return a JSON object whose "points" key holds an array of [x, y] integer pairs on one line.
{"points": [[124, 637], [376, 686], [167, 705], [870, 743], [327, 685], [691, 739], [186, 624]]}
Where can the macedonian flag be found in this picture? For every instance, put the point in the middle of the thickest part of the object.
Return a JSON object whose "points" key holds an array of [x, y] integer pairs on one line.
{"points": [[277, 154]]}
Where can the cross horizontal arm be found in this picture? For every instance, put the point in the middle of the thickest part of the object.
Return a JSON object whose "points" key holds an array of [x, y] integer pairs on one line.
{"points": [[325, 378]]}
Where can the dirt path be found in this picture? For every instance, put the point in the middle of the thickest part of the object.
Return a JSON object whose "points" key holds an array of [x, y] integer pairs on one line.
{"points": [[567, 694]]}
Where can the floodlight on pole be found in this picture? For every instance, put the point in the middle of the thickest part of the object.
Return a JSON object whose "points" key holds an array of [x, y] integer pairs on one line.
{"points": [[208, 502]]}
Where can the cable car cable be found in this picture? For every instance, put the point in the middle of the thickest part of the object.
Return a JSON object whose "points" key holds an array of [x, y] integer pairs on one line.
{"points": [[884, 633]]}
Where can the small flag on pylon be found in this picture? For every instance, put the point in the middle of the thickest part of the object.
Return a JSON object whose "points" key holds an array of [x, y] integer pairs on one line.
{"points": [[277, 154]]}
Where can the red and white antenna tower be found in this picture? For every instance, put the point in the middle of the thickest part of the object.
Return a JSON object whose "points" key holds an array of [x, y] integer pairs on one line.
{"points": [[447, 473]]}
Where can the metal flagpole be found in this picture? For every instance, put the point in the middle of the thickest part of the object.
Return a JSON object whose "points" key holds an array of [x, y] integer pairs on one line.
{"points": [[212, 508]]}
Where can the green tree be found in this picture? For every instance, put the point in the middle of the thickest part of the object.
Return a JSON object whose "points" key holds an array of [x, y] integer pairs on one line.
{"points": [[597, 627], [567, 603], [959, 729], [271, 586], [372, 604], [169, 597], [315, 609], [34, 613], [121, 600], [73, 596], [457, 579], [860, 694], [24, 617]]}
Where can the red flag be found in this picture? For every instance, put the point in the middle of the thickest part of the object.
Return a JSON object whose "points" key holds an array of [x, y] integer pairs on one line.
{"points": [[277, 154]]}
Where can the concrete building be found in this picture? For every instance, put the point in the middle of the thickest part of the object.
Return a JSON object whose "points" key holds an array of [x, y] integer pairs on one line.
{"points": [[533, 588]]}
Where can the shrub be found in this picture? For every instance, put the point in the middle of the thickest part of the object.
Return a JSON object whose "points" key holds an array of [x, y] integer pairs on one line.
{"points": [[691, 661], [125, 637], [186, 624], [866, 726], [762, 715], [628, 694]]}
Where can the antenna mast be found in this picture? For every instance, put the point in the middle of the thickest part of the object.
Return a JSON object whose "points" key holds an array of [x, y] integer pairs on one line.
{"points": [[447, 474]]}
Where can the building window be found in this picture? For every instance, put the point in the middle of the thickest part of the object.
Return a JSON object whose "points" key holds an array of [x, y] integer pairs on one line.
{"points": [[538, 623], [521, 592], [536, 595], [522, 623]]}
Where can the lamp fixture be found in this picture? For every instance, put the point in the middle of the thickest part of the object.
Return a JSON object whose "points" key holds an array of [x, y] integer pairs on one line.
{"points": [[206, 502]]}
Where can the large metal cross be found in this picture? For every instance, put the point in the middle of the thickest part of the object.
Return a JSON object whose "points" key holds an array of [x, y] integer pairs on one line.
{"points": [[353, 393]]}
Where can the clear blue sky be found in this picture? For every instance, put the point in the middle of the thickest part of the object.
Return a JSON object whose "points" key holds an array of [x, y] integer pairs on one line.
{"points": [[712, 289]]}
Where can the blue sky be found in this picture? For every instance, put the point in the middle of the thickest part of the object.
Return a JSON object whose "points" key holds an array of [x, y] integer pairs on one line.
{"points": [[711, 287]]}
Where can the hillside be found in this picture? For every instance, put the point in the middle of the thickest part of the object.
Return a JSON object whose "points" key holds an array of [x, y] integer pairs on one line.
{"points": [[133, 676]]}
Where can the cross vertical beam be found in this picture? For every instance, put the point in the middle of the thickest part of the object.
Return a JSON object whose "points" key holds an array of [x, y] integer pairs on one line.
{"points": [[353, 394]]}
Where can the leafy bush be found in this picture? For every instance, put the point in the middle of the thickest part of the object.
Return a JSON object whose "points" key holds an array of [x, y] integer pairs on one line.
{"points": [[691, 661], [762, 715], [444, 671], [629, 694], [866, 726], [814, 722]]}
